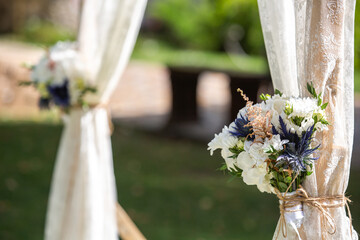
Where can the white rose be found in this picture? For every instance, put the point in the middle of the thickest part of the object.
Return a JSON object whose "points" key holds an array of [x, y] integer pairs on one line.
{"points": [[278, 103], [256, 151], [265, 186], [251, 176], [244, 161], [255, 176]]}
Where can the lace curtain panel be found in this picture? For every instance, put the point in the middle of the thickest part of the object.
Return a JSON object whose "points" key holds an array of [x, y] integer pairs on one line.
{"points": [[82, 201], [313, 40]]}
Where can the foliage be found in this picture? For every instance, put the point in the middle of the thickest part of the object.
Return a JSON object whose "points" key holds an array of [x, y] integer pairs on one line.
{"points": [[357, 37], [208, 24], [43, 33], [158, 51]]}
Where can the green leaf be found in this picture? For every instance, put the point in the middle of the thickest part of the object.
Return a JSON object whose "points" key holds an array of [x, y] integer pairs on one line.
{"points": [[282, 186], [223, 167], [323, 121], [263, 97], [28, 66], [311, 89], [288, 179], [273, 182], [270, 149], [315, 117], [324, 106], [297, 120], [277, 91], [233, 150], [280, 178], [26, 83], [272, 157], [319, 101], [289, 109], [234, 156]]}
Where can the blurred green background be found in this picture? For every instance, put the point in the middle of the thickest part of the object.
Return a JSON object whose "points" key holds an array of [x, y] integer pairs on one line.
{"points": [[170, 187], [225, 32]]}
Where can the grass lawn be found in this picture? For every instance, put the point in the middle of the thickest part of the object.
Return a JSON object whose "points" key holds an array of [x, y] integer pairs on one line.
{"points": [[155, 51], [169, 187]]}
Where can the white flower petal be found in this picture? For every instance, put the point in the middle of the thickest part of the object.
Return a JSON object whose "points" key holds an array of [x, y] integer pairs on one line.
{"points": [[245, 161]]}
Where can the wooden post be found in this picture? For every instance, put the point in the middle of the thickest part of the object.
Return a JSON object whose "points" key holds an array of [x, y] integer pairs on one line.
{"points": [[126, 227]]}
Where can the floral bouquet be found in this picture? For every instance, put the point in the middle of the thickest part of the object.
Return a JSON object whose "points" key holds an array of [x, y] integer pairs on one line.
{"points": [[271, 144], [60, 77]]}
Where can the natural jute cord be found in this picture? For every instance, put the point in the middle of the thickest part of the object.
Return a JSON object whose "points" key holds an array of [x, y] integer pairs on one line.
{"points": [[322, 204]]}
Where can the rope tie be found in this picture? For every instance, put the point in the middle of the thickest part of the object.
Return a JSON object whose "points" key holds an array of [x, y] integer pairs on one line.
{"points": [[97, 106], [322, 204]]}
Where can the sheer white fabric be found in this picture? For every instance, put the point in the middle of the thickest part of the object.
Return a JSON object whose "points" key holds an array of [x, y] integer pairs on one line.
{"points": [[82, 202], [309, 40]]}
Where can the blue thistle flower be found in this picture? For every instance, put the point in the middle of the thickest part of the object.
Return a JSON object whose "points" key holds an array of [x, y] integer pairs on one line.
{"points": [[44, 103], [297, 152], [284, 133], [241, 128], [60, 94]]}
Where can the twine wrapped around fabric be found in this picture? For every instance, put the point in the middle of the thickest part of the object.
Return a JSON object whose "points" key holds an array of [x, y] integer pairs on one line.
{"points": [[289, 202], [94, 106]]}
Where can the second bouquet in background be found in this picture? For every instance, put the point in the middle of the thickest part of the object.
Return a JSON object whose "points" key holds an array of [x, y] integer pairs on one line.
{"points": [[60, 77]]}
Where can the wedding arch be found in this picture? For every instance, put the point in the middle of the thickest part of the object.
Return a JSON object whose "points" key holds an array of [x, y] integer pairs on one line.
{"points": [[306, 41]]}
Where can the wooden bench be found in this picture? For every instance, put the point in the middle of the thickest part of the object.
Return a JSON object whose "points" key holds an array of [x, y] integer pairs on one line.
{"points": [[184, 82]]}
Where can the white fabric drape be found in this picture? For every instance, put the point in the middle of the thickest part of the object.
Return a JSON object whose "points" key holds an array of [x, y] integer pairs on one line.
{"points": [[82, 201], [308, 40]]}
